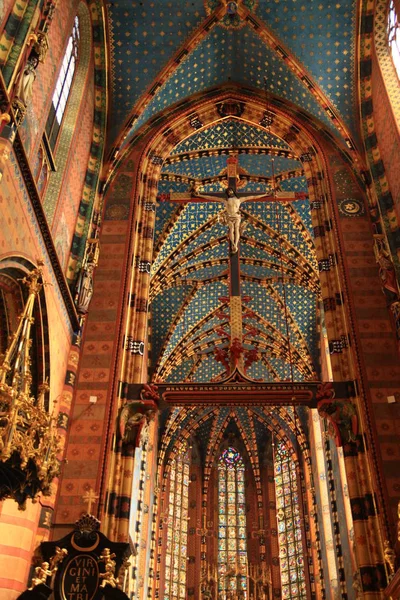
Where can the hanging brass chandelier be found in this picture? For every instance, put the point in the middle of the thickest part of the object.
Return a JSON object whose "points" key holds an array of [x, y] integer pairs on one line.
{"points": [[28, 439]]}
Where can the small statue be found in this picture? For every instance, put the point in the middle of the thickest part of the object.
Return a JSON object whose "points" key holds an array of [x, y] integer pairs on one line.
{"points": [[84, 288], [107, 556], [24, 86], [108, 576], [341, 419], [60, 554], [386, 270], [41, 575], [84, 285], [134, 421], [41, 46], [123, 571], [390, 558]]}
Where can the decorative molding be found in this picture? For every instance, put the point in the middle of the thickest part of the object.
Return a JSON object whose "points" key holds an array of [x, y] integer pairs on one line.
{"points": [[29, 181], [34, 196]]}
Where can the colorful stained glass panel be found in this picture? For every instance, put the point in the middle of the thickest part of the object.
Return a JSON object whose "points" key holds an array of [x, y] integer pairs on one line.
{"points": [[289, 526], [176, 546], [232, 548]]}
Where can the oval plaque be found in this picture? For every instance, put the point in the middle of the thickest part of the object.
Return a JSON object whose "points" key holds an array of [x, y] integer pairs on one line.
{"points": [[80, 579]]}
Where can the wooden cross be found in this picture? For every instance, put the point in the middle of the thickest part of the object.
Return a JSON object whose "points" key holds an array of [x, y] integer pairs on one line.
{"points": [[234, 262], [90, 498], [185, 198]]}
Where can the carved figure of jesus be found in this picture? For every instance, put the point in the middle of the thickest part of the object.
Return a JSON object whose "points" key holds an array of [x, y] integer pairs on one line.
{"points": [[232, 215]]}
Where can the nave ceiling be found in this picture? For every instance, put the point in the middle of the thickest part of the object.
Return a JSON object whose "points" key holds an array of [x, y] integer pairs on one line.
{"points": [[162, 53], [250, 427], [190, 272], [297, 55]]}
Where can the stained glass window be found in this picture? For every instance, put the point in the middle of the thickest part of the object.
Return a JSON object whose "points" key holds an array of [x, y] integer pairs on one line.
{"points": [[393, 29], [63, 86], [291, 557], [176, 547], [232, 547]]}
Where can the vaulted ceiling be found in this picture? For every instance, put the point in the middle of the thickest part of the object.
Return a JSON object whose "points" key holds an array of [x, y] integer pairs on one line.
{"points": [[190, 273], [163, 52], [300, 54]]}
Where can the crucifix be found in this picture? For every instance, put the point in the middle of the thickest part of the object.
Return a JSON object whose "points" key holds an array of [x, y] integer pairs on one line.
{"points": [[90, 498], [232, 200]]}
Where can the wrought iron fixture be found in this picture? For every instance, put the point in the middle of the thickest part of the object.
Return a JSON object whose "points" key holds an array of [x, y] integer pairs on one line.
{"points": [[28, 439]]}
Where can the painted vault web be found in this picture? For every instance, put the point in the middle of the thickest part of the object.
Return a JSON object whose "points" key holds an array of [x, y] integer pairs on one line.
{"points": [[190, 273], [146, 38]]}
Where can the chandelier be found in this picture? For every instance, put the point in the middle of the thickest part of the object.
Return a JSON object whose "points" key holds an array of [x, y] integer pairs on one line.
{"points": [[28, 439]]}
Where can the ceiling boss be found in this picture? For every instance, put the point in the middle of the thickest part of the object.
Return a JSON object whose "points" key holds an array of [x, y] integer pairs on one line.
{"points": [[235, 12]]}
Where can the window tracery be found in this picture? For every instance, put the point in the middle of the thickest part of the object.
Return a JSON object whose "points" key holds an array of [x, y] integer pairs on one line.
{"points": [[176, 547], [289, 526], [63, 85], [232, 546]]}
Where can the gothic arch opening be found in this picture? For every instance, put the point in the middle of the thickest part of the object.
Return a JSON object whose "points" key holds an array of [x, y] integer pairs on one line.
{"points": [[170, 240], [248, 532], [24, 402], [13, 297]]}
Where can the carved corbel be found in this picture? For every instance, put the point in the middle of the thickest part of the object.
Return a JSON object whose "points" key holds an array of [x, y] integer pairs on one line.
{"points": [[135, 417], [340, 416]]}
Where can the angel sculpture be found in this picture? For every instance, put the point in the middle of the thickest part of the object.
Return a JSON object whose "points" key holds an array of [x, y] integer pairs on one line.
{"points": [[134, 420]]}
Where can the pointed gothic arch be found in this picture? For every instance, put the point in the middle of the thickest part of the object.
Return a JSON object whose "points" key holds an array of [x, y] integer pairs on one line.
{"points": [[260, 491], [137, 173], [13, 295]]}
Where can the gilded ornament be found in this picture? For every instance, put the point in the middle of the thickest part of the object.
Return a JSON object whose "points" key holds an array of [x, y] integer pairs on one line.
{"points": [[108, 576], [90, 498], [390, 558], [41, 575], [29, 443]]}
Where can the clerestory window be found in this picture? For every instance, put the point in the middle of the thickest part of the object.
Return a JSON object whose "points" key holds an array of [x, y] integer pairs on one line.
{"points": [[63, 86]]}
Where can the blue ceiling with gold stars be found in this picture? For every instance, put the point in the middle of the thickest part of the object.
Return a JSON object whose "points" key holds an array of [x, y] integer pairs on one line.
{"points": [[190, 323], [251, 428], [161, 52], [296, 52]]}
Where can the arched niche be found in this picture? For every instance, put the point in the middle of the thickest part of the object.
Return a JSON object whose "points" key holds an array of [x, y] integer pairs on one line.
{"points": [[129, 205], [259, 514], [132, 190], [13, 295]]}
